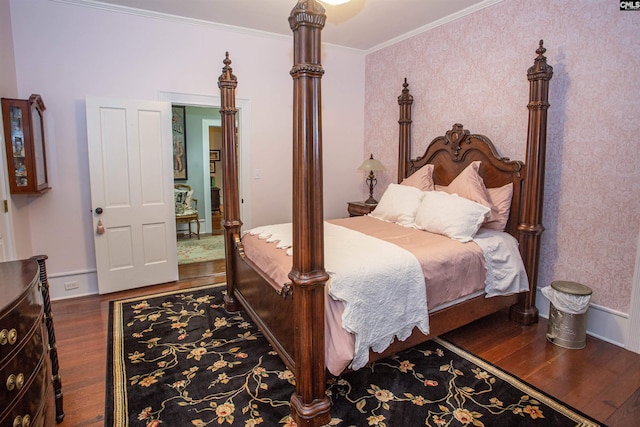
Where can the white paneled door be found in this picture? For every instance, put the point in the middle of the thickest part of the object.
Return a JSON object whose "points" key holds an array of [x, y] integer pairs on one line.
{"points": [[131, 171]]}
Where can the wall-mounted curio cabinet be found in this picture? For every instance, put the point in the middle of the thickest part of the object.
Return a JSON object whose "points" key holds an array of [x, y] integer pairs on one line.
{"points": [[24, 138]]}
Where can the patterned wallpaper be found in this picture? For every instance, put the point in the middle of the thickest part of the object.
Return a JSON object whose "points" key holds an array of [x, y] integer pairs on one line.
{"points": [[473, 71]]}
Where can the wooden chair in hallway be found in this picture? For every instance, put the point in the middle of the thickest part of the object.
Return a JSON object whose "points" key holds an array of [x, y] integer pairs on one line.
{"points": [[186, 208]]}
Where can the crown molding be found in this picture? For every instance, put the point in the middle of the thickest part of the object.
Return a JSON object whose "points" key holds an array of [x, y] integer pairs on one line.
{"points": [[435, 24], [110, 7]]}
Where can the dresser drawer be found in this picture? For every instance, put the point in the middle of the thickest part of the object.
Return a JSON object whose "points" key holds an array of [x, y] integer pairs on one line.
{"points": [[31, 402], [17, 322], [20, 371], [26, 387]]}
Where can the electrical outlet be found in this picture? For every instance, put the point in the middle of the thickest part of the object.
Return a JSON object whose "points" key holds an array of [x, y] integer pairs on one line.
{"points": [[71, 285]]}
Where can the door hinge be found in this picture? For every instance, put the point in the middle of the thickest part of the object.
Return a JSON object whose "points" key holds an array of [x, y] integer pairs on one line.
{"points": [[5, 206]]}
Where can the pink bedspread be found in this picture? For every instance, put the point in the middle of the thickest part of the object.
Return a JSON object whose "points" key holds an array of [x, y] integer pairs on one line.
{"points": [[451, 269]]}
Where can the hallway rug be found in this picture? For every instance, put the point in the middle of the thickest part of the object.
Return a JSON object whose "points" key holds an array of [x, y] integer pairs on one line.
{"points": [[179, 359], [208, 248]]}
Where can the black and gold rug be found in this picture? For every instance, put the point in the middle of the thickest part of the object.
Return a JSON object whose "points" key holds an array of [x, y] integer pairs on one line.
{"points": [[179, 359]]}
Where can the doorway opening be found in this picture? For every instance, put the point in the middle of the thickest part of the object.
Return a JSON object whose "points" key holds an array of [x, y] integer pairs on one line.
{"points": [[204, 170], [198, 134]]}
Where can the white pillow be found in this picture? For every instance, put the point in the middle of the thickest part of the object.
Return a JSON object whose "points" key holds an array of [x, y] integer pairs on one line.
{"points": [[188, 200], [450, 215], [180, 196], [399, 204]]}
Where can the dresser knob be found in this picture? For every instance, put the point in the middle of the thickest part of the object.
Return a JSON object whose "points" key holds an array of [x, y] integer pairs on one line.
{"points": [[15, 381], [3, 336], [19, 381], [11, 382], [13, 336], [22, 421]]}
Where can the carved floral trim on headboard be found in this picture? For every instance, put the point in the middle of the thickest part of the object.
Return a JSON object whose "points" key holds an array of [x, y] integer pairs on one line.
{"points": [[456, 137]]}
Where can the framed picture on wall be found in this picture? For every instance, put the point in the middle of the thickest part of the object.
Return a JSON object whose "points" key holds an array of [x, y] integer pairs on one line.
{"points": [[212, 167], [214, 155], [179, 143]]}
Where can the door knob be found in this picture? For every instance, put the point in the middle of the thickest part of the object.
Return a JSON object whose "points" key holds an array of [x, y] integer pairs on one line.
{"points": [[98, 211]]}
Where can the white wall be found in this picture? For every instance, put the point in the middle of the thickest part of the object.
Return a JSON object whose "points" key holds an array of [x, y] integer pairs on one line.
{"points": [[66, 52]]}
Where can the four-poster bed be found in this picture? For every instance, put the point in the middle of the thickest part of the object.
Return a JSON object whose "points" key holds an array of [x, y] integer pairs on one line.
{"points": [[292, 316]]}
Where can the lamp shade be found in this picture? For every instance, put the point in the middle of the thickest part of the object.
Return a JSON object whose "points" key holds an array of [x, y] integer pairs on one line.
{"points": [[371, 164], [335, 2]]}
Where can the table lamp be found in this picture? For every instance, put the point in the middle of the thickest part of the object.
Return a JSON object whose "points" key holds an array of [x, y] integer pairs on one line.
{"points": [[372, 165]]}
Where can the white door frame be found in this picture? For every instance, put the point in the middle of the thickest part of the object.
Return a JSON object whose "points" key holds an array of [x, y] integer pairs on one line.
{"points": [[7, 240], [244, 143]]}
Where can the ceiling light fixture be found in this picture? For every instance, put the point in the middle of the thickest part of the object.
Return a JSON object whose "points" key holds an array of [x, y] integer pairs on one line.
{"points": [[335, 2]]}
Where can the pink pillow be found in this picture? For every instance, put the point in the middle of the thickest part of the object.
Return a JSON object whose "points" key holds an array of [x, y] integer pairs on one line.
{"points": [[470, 185], [421, 179], [501, 199]]}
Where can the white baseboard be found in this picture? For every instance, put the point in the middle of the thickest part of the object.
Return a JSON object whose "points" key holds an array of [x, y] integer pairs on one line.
{"points": [[633, 338], [602, 322], [81, 283]]}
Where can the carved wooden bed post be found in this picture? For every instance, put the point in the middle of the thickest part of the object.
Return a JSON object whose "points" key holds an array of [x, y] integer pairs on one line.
{"points": [[405, 100], [227, 83], [309, 404], [530, 226]]}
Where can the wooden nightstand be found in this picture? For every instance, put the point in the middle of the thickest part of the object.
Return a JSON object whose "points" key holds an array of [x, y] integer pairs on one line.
{"points": [[359, 208]]}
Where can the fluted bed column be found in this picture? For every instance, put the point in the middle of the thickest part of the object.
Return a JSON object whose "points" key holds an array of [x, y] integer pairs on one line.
{"points": [[405, 100], [309, 404], [227, 83], [530, 226]]}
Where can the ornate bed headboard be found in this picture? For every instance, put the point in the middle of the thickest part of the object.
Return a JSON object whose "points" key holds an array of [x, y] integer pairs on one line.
{"points": [[452, 153]]}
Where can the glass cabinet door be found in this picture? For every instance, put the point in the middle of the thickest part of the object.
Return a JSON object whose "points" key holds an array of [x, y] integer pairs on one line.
{"points": [[25, 144], [17, 143]]}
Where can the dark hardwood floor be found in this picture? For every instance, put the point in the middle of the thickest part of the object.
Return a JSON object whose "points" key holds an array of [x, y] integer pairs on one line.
{"points": [[601, 380]]}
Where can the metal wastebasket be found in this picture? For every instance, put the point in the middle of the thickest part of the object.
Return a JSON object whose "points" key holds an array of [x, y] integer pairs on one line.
{"points": [[569, 302]]}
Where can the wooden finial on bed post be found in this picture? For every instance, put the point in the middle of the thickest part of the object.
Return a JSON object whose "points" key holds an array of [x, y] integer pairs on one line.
{"points": [[227, 83], [530, 226], [310, 406], [405, 100]]}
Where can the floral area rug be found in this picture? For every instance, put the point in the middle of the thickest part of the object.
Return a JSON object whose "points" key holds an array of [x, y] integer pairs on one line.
{"points": [[207, 248], [179, 359]]}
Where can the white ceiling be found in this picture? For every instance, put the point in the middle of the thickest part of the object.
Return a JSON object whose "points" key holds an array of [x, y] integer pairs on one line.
{"points": [[359, 24]]}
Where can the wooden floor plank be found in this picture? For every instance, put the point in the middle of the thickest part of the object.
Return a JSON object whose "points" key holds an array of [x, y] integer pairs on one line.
{"points": [[627, 414]]}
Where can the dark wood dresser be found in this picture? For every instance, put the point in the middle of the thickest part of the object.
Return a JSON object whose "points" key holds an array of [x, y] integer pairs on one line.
{"points": [[26, 386]]}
